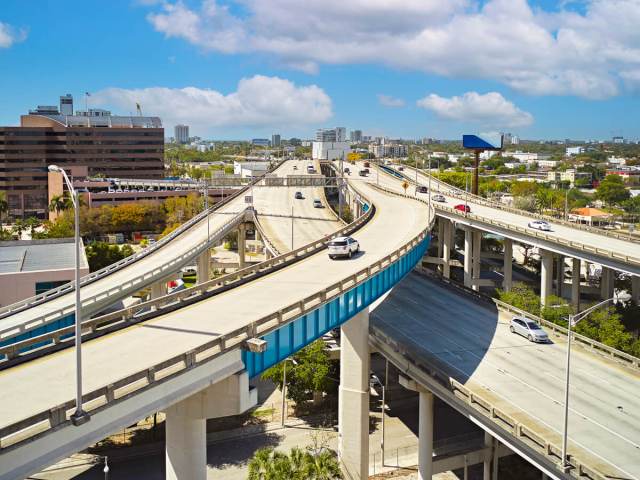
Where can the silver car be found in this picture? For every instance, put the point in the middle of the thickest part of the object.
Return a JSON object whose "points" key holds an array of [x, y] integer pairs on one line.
{"points": [[343, 247], [438, 198], [540, 225], [529, 329]]}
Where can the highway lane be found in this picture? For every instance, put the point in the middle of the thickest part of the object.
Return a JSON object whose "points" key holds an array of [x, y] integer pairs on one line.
{"points": [[558, 230], [40, 384], [523, 379], [267, 199], [274, 206]]}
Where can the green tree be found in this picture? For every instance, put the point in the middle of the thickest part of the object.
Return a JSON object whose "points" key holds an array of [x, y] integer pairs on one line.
{"points": [[59, 203], [270, 464], [604, 325], [102, 254], [310, 372], [4, 205], [521, 296], [556, 310], [18, 227], [612, 190], [32, 223]]}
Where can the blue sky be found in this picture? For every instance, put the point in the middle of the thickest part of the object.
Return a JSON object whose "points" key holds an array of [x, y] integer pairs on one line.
{"points": [[539, 69]]}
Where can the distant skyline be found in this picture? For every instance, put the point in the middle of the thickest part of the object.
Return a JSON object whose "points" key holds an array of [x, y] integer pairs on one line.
{"points": [[413, 68]]}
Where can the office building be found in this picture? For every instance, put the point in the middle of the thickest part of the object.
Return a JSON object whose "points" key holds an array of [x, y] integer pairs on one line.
{"points": [[181, 133], [388, 150], [341, 134], [66, 104], [275, 140], [570, 151], [330, 150], [326, 135], [92, 144], [355, 136]]}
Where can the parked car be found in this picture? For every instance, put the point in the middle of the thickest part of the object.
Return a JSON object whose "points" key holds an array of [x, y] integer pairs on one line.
{"points": [[343, 247], [529, 329], [462, 207], [298, 196], [317, 203], [438, 198], [422, 189], [540, 225]]}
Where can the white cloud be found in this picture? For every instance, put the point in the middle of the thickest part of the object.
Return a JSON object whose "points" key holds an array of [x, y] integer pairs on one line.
{"points": [[537, 52], [10, 35], [258, 101], [490, 109], [389, 101]]}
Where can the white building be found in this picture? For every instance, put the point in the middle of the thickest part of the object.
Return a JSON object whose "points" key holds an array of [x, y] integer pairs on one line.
{"points": [[524, 157], [330, 150], [250, 169], [389, 150], [617, 160], [181, 133], [574, 151]]}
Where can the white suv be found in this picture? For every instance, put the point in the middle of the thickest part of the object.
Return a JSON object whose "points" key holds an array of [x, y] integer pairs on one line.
{"points": [[343, 247]]}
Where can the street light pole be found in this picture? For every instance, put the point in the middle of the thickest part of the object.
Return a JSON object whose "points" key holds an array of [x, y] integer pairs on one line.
{"points": [[78, 417], [291, 227], [284, 391]]}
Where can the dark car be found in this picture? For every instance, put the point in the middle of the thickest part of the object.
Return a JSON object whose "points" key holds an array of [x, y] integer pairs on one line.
{"points": [[362, 173], [463, 208], [298, 196], [422, 189]]}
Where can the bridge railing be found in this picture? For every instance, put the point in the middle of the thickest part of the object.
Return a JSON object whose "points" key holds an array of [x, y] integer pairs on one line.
{"points": [[104, 397], [93, 276], [462, 195], [118, 290]]}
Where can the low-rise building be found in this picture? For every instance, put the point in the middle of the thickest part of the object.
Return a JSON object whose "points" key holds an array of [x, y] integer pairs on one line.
{"points": [[569, 175], [570, 151], [250, 169], [589, 216], [630, 175], [330, 150], [31, 267], [388, 150]]}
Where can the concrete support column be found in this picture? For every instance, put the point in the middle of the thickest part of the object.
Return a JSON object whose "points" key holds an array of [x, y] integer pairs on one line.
{"points": [[258, 238], [575, 283], [507, 266], [546, 275], [496, 456], [267, 253], [425, 436], [635, 289], [606, 283], [486, 464], [203, 272], [447, 244], [440, 236], [477, 244], [242, 244], [353, 409], [186, 443], [560, 275], [158, 289], [468, 254]]}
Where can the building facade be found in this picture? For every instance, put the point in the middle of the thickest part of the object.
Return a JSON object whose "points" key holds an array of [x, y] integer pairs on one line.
{"points": [[355, 136], [83, 145], [275, 140], [181, 133]]}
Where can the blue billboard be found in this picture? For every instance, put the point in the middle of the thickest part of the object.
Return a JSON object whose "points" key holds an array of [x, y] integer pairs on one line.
{"points": [[484, 142]]}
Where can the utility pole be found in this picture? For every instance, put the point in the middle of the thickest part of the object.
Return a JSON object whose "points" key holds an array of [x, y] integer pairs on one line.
{"points": [[291, 229]]}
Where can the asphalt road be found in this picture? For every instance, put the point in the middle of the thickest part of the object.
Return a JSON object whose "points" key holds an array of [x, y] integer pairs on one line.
{"points": [[523, 379]]}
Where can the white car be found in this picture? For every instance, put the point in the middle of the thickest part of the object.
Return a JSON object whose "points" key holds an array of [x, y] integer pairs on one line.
{"points": [[529, 329], [540, 225], [343, 247], [438, 198]]}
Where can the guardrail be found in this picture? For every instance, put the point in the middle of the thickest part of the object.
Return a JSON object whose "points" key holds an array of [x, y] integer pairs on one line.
{"points": [[101, 398], [16, 307], [461, 194], [131, 285], [559, 330]]}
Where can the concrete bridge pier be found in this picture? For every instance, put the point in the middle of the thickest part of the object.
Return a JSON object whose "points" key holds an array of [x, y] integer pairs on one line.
{"points": [[575, 283], [186, 422], [606, 283], [507, 268], [560, 269], [425, 427], [448, 231], [353, 408], [468, 256], [546, 275], [635, 289], [477, 245], [242, 245], [203, 272], [158, 289]]}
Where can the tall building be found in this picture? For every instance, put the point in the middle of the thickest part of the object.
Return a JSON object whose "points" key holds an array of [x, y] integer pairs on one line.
{"points": [[181, 133], [92, 144], [326, 135], [341, 134], [355, 136], [275, 140], [66, 104]]}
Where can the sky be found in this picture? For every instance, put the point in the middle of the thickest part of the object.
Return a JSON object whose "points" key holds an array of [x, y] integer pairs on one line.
{"points": [[242, 69]]}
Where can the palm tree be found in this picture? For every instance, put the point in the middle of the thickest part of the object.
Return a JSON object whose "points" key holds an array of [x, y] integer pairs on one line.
{"points": [[4, 205], [59, 203], [32, 223], [18, 227], [261, 465], [322, 466]]}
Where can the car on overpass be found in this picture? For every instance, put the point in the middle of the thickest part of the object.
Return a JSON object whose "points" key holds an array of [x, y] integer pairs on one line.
{"points": [[540, 225], [463, 208], [343, 247], [298, 196], [423, 189], [438, 198], [317, 203], [529, 329]]}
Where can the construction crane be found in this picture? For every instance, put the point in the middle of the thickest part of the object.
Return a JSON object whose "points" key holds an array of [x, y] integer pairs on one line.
{"points": [[138, 109]]}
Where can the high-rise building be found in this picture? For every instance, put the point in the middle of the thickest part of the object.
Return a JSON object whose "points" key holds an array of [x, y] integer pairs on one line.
{"points": [[355, 136], [181, 133], [341, 134], [275, 140], [66, 104], [83, 145], [326, 135]]}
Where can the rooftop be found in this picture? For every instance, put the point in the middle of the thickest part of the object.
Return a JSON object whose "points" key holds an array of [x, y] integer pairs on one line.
{"points": [[37, 255]]}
